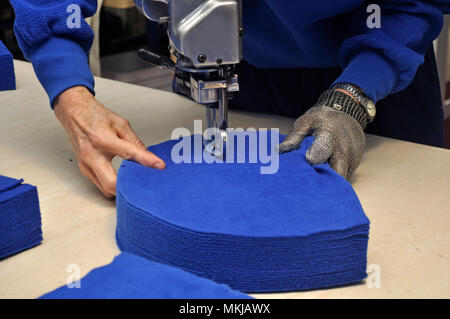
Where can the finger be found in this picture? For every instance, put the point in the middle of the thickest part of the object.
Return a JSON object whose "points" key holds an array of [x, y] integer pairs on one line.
{"points": [[350, 173], [124, 131], [295, 137], [111, 143], [105, 174], [321, 149], [137, 153], [339, 164], [131, 137], [89, 174]]}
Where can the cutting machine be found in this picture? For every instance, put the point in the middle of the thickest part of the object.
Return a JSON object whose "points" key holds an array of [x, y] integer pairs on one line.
{"points": [[205, 43]]}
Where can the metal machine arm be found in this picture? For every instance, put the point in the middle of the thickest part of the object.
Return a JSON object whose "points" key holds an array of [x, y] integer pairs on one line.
{"points": [[205, 37]]}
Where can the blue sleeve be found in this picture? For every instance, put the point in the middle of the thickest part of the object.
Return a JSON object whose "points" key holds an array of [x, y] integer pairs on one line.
{"points": [[384, 60], [55, 43]]}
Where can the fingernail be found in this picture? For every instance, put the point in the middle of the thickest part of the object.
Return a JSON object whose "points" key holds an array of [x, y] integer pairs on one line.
{"points": [[160, 165]]}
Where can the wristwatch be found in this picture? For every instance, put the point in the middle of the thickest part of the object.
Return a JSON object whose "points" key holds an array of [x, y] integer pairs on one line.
{"points": [[358, 106], [366, 103]]}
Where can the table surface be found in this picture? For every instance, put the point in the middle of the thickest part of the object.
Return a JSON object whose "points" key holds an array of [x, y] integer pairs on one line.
{"points": [[404, 189]]}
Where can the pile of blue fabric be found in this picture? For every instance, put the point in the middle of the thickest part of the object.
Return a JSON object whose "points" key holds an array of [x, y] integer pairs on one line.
{"points": [[133, 277], [300, 228], [7, 78], [20, 217]]}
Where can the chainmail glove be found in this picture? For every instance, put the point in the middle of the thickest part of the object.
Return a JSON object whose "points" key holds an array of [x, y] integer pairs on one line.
{"points": [[339, 139]]}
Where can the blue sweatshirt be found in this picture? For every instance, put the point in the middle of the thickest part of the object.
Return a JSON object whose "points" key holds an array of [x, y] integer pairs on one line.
{"points": [[278, 33]]}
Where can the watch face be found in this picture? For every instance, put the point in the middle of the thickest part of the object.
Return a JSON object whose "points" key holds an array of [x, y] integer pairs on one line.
{"points": [[371, 110]]}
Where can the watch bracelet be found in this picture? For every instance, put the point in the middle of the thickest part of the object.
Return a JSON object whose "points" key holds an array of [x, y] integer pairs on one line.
{"points": [[350, 88], [340, 101]]}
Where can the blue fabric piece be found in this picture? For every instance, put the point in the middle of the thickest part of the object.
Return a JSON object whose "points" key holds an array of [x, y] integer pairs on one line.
{"points": [[20, 217], [299, 33], [298, 229], [133, 277], [7, 78]]}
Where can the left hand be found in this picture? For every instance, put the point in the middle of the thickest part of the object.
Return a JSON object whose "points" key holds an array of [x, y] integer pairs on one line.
{"points": [[339, 139]]}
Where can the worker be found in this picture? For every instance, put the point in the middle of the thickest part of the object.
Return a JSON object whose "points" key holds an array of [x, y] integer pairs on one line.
{"points": [[325, 62]]}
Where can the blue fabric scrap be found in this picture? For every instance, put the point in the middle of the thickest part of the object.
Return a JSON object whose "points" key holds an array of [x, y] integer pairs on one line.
{"points": [[20, 217], [133, 277], [7, 77]]}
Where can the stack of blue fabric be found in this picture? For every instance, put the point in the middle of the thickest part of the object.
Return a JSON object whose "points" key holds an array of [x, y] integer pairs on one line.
{"points": [[20, 217], [7, 78], [300, 228], [133, 277]]}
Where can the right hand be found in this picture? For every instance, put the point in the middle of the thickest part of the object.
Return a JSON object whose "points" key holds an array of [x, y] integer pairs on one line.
{"points": [[97, 135], [338, 139]]}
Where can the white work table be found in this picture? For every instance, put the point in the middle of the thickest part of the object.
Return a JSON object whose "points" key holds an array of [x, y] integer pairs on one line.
{"points": [[404, 189]]}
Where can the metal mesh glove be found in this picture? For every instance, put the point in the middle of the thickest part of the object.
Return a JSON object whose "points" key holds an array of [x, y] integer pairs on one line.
{"points": [[339, 139]]}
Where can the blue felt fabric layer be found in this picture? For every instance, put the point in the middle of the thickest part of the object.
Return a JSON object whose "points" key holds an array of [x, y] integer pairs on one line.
{"points": [[300, 228], [130, 276], [7, 77], [20, 217]]}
